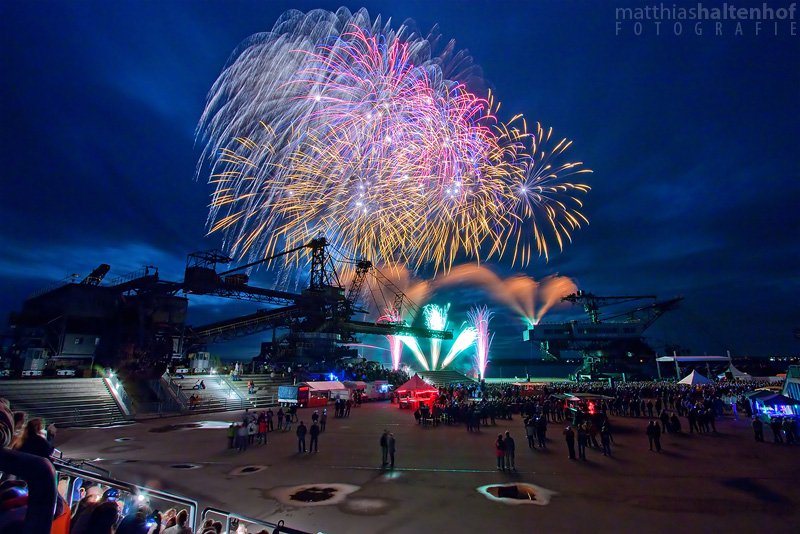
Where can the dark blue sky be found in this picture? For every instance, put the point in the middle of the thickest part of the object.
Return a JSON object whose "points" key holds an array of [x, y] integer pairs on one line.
{"points": [[693, 140]]}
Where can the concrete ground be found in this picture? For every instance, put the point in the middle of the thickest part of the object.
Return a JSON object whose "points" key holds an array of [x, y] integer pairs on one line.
{"points": [[723, 483]]}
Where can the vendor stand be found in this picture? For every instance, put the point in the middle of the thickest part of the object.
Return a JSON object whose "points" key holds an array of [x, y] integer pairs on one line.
{"points": [[416, 392]]}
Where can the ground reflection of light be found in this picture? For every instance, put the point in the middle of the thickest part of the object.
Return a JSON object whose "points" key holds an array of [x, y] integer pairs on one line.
{"points": [[391, 475]]}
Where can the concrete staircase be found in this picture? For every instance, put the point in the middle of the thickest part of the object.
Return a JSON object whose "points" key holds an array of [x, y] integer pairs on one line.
{"points": [[266, 389], [65, 402], [217, 397]]}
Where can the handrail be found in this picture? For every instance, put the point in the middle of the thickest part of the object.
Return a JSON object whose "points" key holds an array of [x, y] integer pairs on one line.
{"points": [[117, 390], [176, 391], [231, 517]]}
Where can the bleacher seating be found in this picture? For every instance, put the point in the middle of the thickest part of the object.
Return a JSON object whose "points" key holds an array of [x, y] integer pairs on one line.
{"points": [[266, 393], [216, 397], [64, 401], [445, 378]]}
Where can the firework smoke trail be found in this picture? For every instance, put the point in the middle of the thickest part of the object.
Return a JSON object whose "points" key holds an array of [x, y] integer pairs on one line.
{"points": [[413, 346], [554, 288], [392, 316], [435, 319], [521, 293], [466, 338], [335, 124], [480, 317]]}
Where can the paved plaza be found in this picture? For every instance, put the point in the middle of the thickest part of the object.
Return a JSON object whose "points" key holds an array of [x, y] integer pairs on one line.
{"points": [[699, 483]]}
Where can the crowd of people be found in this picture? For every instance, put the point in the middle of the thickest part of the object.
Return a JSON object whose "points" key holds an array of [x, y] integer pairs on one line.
{"points": [[255, 427], [668, 408]]}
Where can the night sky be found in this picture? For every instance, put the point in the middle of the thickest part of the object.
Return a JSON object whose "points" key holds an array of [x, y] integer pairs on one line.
{"points": [[693, 141]]}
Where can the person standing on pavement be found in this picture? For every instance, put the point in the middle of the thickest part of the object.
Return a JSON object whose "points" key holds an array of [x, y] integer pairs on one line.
{"points": [[385, 448], [301, 437], [323, 420], [569, 436], [314, 433], [231, 435], [500, 453], [605, 440], [530, 432], [758, 429], [509, 448], [654, 435], [583, 440]]}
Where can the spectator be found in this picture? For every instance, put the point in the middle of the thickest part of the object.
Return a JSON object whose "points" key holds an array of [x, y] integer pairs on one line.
{"points": [[301, 437], [605, 440], [583, 440], [32, 441], [180, 524], [241, 437], [654, 435], [530, 432], [102, 520], [385, 448], [509, 448], [231, 435], [569, 436], [758, 429], [500, 452]]}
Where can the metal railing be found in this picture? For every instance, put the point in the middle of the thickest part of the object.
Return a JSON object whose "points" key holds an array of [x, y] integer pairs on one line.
{"points": [[117, 390], [231, 522], [131, 494], [176, 391]]}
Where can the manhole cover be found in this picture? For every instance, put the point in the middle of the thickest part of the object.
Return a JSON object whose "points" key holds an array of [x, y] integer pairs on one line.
{"points": [[120, 440], [247, 470], [186, 466], [313, 494], [519, 493]]}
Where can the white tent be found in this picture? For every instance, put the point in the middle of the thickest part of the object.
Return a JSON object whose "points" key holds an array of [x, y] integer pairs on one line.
{"points": [[736, 373], [695, 379]]}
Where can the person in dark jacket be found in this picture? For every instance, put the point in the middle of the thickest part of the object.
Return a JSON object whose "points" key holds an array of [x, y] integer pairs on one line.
{"points": [[32, 441], [654, 435], [758, 429], [301, 437], [385, 448], [509, 448], [605, 440]]}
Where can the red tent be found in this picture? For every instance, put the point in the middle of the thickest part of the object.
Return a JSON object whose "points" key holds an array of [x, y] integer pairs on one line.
{"points": [[416, 391]]}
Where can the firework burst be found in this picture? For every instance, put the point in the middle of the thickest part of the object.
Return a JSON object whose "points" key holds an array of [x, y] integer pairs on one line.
{"points": [[334, 124]]}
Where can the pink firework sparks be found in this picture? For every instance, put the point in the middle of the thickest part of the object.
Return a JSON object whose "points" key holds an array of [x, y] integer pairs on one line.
{"points": [[480, 317]]}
